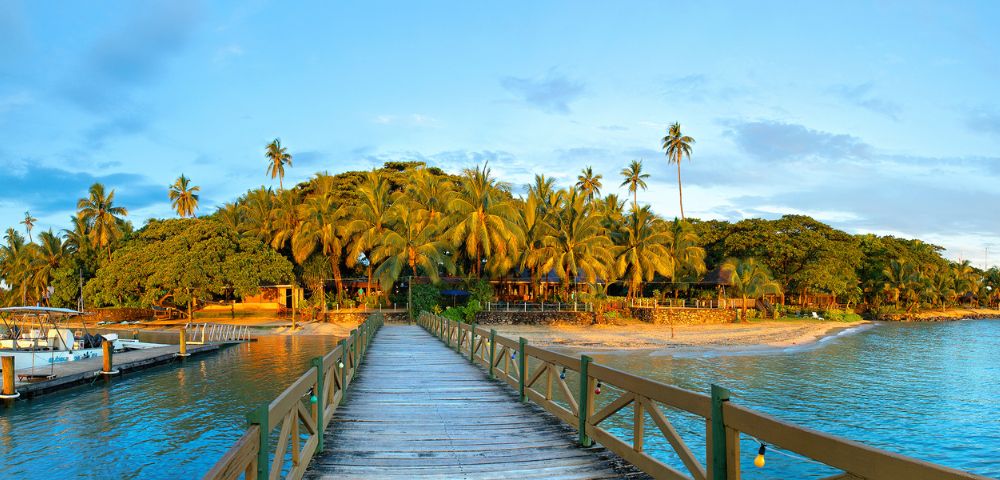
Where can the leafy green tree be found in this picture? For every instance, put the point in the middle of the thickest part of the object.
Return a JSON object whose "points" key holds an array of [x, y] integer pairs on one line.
{"points": [[676, 145], [184, 197]]}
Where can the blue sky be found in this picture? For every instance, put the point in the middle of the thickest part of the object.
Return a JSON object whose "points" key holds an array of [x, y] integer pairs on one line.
{"points": [[873, 116]]}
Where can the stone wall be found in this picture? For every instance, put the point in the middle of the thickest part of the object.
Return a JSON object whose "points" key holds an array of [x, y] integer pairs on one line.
{"points": [[358, 317], [119, 314], [683, 316], [534, 318]]}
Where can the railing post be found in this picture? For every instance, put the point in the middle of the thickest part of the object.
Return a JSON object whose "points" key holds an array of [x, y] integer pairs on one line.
{"points": [[259, 417], [472, 342], [493, 349], [320, 393], [522, 366], [719, 469], [584, 400], [354, 352], [447, 337], [343, 370]]}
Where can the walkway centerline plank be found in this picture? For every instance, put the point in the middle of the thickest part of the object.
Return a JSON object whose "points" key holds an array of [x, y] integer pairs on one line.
{"points": [[418, 410]]}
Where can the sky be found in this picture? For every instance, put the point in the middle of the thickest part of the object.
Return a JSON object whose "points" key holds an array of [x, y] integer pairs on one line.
{"points": [[878, 116]]}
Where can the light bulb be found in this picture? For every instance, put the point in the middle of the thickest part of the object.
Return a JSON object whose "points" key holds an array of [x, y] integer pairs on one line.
{"points": [[759, 461]]}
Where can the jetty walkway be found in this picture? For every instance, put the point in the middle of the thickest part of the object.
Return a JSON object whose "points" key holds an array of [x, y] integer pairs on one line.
{"points": [[445, 399]]}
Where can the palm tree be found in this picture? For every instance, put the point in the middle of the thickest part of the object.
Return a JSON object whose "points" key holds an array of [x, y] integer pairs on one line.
{"points": [[15, 263], [684, 249], [677, 146], [578, 243], [29, 223], [231, 215], [319, 231], [533, 220], [277, 157], [749, 279], [410, 242], [104, 220], [184, 197], [645, 251], [589, 183], [78, 237], [49, 255], [634, 179], [256, 208], [370, 218], [485, 223], [430, 194], [284, 218]]}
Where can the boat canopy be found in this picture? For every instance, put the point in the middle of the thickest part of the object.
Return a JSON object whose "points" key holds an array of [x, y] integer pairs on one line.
{"points": [[65, 311]]}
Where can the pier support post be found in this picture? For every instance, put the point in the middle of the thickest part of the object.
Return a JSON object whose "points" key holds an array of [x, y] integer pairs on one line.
{"points": [[7, 364], [183, 352], [719, 458], [584, 400], [522, 367], [108, 352]]}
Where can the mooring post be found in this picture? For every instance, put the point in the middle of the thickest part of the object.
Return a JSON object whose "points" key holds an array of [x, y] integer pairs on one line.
{"points": [[320, 394], [108, 348], [584, 402], [7, 364], [493, 350], [522, 366], [183, 343], [259, 417], [719, 468]]}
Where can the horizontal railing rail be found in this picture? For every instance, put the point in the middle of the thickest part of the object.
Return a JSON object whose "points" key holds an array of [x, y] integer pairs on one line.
{"points": [[217, 332], [300, 413], [541, 375]]}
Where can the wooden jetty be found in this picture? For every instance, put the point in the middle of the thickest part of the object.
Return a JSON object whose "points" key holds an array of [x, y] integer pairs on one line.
{"points": [[479, 405], [68, 374]]}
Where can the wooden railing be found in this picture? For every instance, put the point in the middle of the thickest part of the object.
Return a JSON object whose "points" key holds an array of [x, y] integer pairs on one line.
{"points": [[300, 413], [217, 332], [540, 375]]}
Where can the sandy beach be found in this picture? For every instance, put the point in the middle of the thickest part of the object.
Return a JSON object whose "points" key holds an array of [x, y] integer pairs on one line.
{"points": [[638, 335]]}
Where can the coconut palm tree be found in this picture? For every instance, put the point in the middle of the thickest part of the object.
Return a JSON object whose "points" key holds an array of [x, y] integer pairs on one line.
{"points": [[430, 194], [29, 223], [50, 253], [534, 222], [77, 238], [284, 218], [645, 251], [277, 157], [578, 243], [484, 226], [104, 220], [409, 242], [256, 208], [634, 179], [677, 146], [749, 279], [320, 232], [589, 183], [231, 215], [690, 257], [369, 220], [15, 265], [184, 197]]}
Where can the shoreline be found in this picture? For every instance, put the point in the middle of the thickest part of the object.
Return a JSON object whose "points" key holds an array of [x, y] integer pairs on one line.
{"points": [[728, 338], [948, 315]]}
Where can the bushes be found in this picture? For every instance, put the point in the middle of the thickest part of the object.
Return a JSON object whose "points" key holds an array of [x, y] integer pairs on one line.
{"points": [[837, 315], [425, 298]]}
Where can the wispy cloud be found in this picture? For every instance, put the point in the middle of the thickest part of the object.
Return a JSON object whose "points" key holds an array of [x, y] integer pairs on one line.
{"points": [[62, 188], [552, 93], [15, 100], [778, 141], [411, 120], [698, 88], [984, 120], [228, 52], [862, 95]]}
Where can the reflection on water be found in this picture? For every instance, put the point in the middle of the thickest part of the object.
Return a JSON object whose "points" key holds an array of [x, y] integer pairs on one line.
{"points": [[168, 422], [924, 390]]}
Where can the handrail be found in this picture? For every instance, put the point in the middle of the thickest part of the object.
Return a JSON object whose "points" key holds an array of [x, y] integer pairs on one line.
{"points": [[305, 407], [540, 376]]}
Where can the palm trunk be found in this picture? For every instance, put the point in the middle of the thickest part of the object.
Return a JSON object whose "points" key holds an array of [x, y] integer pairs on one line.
{"points": [[680, 192]]}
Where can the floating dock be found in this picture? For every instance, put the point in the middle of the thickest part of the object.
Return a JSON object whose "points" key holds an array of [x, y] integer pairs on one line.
{"points": [[69, 374]]}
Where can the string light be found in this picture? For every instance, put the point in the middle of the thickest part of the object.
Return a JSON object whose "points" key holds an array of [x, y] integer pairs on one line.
{"points": [[513, 355], [312, 396], [562, 374], [597, 391], [340, 364], [759, 460]]}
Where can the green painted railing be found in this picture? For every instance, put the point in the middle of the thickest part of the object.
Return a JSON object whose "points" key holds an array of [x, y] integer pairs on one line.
{"points": [[305, 407]]}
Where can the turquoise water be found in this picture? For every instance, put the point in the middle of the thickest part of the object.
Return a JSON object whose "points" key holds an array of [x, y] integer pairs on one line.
{"points": [[163, 423], [926, 390]]}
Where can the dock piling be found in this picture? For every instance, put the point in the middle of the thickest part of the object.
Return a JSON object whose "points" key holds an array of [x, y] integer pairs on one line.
{"points": [[109, 348], [183, 343], [7, 364]]}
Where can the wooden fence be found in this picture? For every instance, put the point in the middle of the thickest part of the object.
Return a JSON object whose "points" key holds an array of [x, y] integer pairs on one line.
{"points": [[540, 375], [301, 412]]}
